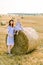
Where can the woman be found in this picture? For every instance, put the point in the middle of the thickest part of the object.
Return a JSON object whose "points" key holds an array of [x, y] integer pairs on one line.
{"points": [[10, 38]]}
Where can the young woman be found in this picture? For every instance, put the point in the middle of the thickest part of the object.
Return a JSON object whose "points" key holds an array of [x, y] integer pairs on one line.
{"points": [[10, 38]]}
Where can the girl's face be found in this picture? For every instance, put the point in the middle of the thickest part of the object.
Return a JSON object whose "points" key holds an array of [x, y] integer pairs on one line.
{"points": [[12, 23]]}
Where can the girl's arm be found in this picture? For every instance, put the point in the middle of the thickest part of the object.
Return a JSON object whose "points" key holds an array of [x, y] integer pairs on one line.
{"points": [[16, 32], [10, 35]]}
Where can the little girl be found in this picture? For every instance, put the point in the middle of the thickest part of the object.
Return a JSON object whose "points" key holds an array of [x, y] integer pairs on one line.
{"points": [[10, 38]]}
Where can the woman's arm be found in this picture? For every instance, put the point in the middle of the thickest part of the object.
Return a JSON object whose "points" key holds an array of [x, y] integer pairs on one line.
{"points": [[17, 32]]}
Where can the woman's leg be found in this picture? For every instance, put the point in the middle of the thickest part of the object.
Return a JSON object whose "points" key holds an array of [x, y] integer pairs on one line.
{"points": [[9, 50], [11, 47]]}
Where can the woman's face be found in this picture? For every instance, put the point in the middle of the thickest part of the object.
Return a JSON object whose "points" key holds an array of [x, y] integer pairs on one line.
{"points": [[12, 23]]}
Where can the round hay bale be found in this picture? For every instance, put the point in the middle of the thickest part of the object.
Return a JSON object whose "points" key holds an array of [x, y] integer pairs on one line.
{"points": [[21, 43], [24, 43], [3, 23]]}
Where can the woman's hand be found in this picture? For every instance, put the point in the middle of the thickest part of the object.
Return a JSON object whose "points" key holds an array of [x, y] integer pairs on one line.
{"points": [[10, 35], [17, 32]]}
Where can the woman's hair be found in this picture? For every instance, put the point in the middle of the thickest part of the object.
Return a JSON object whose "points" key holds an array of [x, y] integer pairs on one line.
{"points": [[10, 22]]}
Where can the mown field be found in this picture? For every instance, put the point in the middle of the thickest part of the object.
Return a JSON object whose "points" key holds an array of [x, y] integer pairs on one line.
{"points": [[33, 58]]}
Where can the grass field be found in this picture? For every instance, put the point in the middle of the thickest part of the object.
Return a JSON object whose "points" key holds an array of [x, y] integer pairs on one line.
{"points": [[33, 58]]}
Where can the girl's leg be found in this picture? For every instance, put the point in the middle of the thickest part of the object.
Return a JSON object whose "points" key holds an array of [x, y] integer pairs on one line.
{"points": [[9, 51], [11, 47]]}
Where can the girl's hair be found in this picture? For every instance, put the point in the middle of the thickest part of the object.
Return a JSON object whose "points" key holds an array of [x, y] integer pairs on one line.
{"points": [[10, 22]]}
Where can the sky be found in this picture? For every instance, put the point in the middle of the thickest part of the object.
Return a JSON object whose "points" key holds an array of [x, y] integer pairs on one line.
{"points": [[21, 6]]}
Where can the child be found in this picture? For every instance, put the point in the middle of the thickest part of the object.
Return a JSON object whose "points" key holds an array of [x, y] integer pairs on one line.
{"points": [[10, 38]]}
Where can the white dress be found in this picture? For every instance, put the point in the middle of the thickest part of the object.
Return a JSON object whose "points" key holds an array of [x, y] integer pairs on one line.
{"points": [[11, 31]]}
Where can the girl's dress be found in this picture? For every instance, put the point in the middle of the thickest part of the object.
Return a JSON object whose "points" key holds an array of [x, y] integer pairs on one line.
{"points": [[11, 31]]}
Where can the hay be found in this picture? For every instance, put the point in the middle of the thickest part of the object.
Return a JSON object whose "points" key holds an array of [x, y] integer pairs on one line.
{"points": [[24, 43], [3, 23], [31, 33], [21, 43], [33, 37]]}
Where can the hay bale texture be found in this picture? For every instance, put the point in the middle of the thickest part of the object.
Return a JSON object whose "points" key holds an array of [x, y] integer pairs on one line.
{"points": [[3, 23], [33, 38], [21, 43], [24, 43]]}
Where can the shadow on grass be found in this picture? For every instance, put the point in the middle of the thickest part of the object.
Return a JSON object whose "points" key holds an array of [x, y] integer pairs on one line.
{"points": [[25, 53]]}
